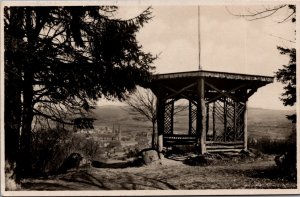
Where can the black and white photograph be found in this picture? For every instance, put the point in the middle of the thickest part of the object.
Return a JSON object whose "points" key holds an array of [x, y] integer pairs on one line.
{"points": [[148, 98]]}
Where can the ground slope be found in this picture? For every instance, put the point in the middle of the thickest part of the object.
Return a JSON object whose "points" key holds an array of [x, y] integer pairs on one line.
{"points": [[256, 174]]}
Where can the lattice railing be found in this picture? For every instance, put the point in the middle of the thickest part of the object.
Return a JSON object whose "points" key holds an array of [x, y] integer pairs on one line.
{"points": [[241, 107], [228, 121], [229, 128], [227, 125], [168, 118], [193, 118], [219, 121]]}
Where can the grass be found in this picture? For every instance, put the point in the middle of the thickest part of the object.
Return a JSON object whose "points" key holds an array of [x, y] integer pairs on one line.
{"points": [[269, 146]]}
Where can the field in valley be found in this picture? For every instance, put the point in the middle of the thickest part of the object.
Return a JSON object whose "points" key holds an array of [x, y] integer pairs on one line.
{"points": [[262, 123]]}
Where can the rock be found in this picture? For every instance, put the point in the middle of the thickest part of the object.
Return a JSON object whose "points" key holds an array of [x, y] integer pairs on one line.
{"points": [[85, 162], [72, 161], [150, 156]]}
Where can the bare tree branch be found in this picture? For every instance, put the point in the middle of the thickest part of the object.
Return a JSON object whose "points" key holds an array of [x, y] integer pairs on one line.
{"points": [[143, 102], [281, 38], [288, 17], [260, 14]]}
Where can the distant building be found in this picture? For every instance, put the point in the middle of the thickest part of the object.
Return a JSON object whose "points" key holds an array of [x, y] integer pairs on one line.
{"points": [[103, 129]]}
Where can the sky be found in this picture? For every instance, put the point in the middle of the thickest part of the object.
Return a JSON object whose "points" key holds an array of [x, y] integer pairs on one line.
{"points": [[227, 43]]}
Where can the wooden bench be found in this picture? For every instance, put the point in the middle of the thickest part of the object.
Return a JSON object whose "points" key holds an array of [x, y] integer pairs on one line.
{"points": [[170, 140]]}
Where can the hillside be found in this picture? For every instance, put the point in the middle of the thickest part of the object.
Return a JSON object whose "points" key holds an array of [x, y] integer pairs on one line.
{"points": [[261, 122], [269, 123], [120, 116]]}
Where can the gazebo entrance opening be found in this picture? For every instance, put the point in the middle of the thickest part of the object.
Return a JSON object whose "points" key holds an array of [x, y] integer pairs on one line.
{"points": [[217, 108], [180, 117]]}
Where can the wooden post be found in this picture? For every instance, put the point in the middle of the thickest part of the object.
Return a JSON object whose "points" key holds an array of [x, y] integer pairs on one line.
{"points": [[234, 120], [245, 127], [214, 120], [207, 119], [160, 123], [201, 116], [225, 119], [172, 117], [190, 118]]}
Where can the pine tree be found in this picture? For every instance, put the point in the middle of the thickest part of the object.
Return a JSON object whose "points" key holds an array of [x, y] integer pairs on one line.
{"points": [[59, 61]]}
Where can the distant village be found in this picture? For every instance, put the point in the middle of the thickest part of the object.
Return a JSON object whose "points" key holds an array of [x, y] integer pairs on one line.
{"points": [[111, 137]]}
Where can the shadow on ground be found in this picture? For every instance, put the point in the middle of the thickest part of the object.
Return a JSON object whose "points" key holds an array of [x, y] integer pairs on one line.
{"points": [[259, 174], [116, 165], [273, 173], [82, 180], [44, 186]]}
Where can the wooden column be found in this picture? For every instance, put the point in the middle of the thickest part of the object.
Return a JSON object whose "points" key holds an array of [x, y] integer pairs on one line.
{"points": [[172, 118], [160, 108], [234, 119], [245, 127], [190, 117], [214, 121], [201, 116], [225, 119], [207, 119]]}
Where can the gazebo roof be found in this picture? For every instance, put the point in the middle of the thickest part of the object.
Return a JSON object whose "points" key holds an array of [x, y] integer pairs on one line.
{"points": [[213, 74], [214, 81]]}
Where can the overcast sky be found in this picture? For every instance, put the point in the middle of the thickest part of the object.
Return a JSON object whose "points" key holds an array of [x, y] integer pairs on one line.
{"points": [[228, 43]]}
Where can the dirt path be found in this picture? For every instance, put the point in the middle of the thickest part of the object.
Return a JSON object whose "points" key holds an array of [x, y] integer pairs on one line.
{"points": [[171, 175]]}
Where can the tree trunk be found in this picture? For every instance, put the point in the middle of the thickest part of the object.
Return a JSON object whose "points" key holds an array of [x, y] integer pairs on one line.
{"points": [[24, 160], [12, 108], [12, 121]]}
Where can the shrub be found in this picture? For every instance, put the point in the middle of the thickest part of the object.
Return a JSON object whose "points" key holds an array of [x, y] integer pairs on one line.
{"points": [[46, 145], [51, 147], [275, 146], [268, 146], [285, 150]]}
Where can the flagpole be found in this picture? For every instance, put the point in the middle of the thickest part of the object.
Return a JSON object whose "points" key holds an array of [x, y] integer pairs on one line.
{"points": [[199, 37]]}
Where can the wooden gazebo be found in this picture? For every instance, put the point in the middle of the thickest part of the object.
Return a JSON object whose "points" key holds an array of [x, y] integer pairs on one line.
{"points": [[217, 108]]}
